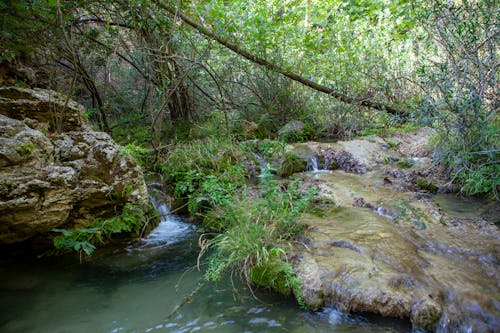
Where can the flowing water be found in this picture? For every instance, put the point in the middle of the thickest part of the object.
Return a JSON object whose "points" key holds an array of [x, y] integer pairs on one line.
{"points": [[137, 286]]}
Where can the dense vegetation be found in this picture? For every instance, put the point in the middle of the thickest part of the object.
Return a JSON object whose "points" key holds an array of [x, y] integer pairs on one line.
{"points": [[188, 86]]}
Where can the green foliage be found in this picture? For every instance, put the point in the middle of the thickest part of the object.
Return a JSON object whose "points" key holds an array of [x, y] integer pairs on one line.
{"points": [[256, 233], [384, 125], [130, 128], [140, 154], [21, 32], [426, 185], [306, 133], [84, 240], [205, 173], [275, 272], [129, 221], [461, 91], [78, 240], [290, 164], [26, 148], [268, 149], [405, 163], [120, 198]]}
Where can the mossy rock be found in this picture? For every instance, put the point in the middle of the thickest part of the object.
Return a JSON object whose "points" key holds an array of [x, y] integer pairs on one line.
{"points": [[405, 163], [273, 273], [423, 184], [291, 163]]}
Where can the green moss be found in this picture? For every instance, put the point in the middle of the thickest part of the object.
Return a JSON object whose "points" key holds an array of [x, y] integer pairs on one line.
{"points": [[291, 163], [426, 185], [277, 273], [405, 163], [26, 148]]}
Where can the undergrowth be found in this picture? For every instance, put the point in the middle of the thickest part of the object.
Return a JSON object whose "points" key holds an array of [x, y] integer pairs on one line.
{"points": [[205, 174], [84, 240]]}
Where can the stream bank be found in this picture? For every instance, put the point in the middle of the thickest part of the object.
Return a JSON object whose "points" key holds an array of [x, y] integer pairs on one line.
{"points": [[381, 244]]}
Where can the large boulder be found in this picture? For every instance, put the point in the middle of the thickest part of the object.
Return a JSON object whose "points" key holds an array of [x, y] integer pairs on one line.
{"points": [[55, 170]]}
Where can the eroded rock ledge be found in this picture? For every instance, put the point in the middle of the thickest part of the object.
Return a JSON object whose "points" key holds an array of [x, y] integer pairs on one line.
{"points": [[380, 246], [55, 170]]}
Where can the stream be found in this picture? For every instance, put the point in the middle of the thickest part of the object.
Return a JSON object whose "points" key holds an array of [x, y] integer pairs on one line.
{"points": [[135, 287]]}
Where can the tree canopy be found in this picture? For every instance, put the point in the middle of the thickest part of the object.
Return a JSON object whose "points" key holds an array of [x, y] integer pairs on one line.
{"points": [[342, 66]]}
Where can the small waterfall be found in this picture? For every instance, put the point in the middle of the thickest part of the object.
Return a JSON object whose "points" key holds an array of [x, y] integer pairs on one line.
{"points": [[312, 164], [171, 229], [262, 162]]}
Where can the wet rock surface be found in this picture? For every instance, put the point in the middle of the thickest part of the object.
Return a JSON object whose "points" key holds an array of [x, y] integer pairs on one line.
{"points": [[380, 247], [57, 172]]}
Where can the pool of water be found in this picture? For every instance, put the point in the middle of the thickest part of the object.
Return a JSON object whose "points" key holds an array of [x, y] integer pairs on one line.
{"points": [[457, 205], [138, 286]]}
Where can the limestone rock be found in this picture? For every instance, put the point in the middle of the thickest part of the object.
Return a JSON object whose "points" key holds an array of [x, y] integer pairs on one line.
{"points": [[394, 253], [58, 173], [44, 106]]}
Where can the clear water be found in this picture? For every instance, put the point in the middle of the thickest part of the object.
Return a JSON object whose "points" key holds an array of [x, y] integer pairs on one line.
{"points": [[137, 286]]}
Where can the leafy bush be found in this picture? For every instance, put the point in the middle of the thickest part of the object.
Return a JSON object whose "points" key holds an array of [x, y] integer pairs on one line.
{"points": [[205, 173], [140, 154], [268, 149], [84, 240], [462, 90], [290, 164]]}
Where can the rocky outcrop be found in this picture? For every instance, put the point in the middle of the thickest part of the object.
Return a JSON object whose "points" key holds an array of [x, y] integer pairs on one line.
{"points": [[378, 247], [55, 170]]}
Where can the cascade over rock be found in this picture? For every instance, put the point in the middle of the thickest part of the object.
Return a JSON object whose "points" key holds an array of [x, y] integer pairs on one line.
{"points": [[55, 170]]}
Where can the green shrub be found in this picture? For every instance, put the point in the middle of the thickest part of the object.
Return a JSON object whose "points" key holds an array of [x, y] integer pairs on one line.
{"points": [[306, 133], [291, 163], [84, 240], [205, 173], [461, 89], [268, 149], [141, 155]]}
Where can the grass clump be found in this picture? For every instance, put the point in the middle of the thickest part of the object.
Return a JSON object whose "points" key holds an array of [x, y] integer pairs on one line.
{"points": [[426, 185], [405, 163], [257, 233]]}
